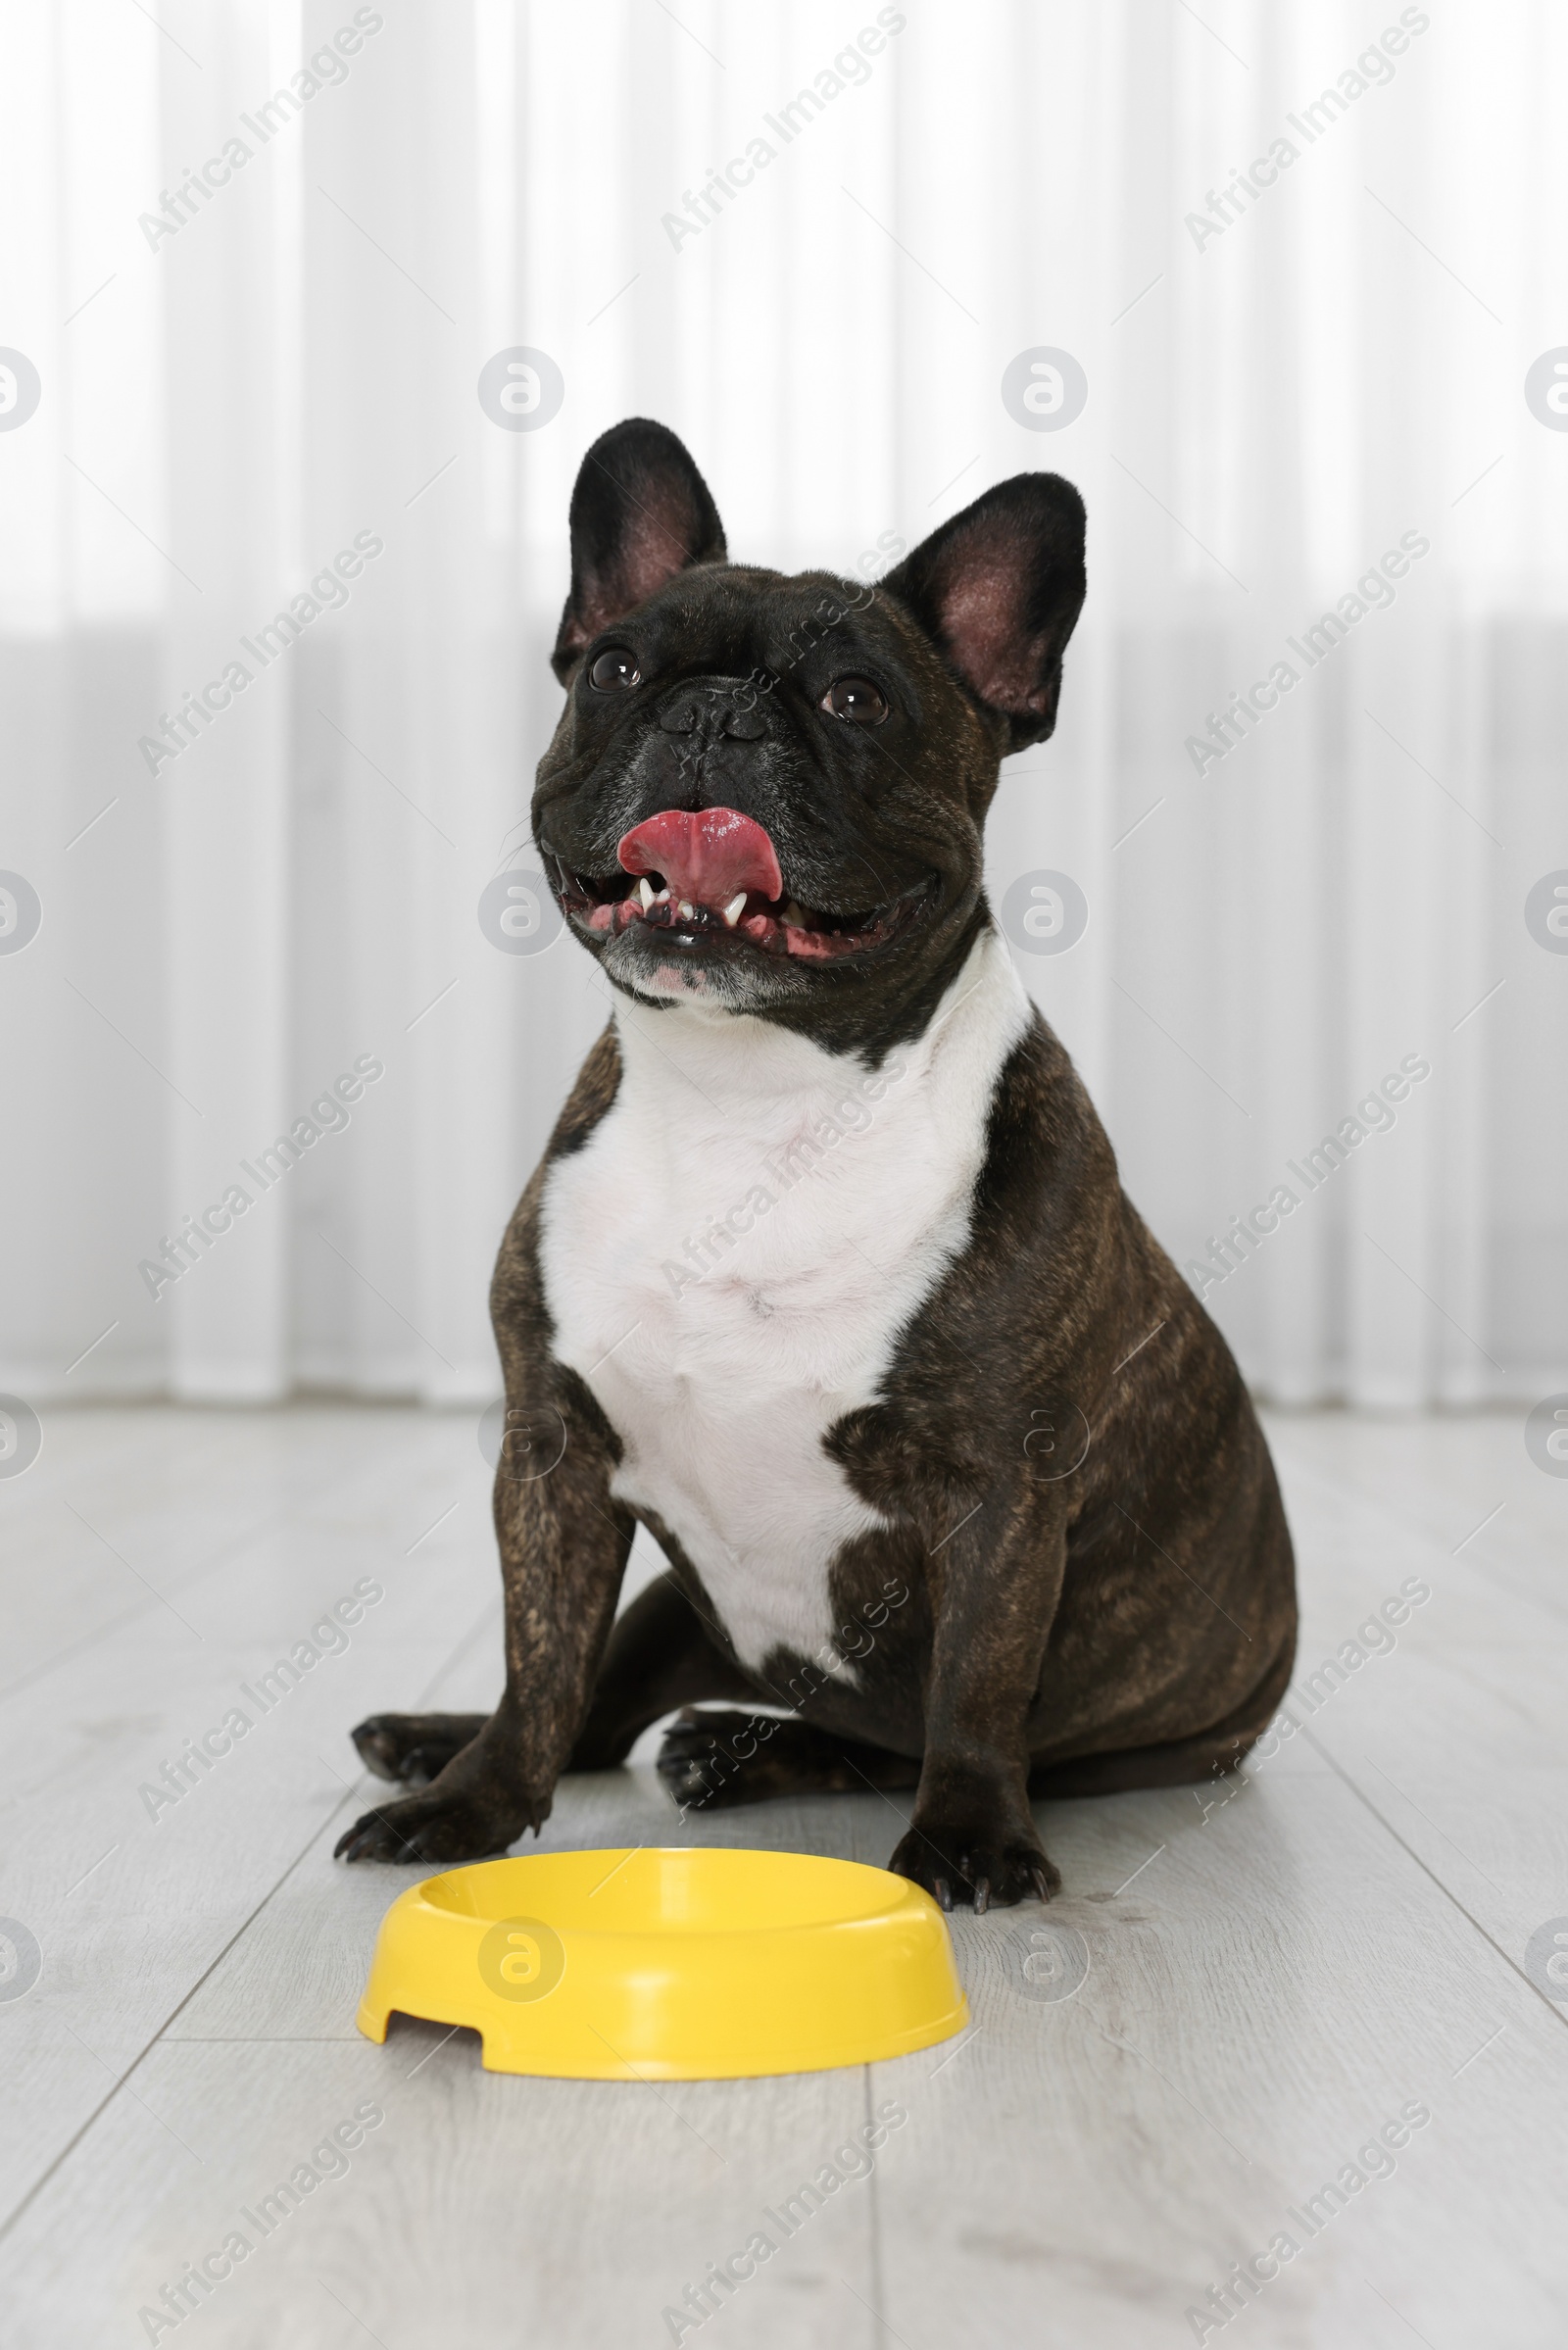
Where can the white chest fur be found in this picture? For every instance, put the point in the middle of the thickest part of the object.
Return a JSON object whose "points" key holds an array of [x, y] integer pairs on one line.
{"points": [[730, 1258]]}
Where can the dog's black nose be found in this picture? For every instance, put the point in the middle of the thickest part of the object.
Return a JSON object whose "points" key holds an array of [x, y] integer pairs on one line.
{"points": [[713, 708]]}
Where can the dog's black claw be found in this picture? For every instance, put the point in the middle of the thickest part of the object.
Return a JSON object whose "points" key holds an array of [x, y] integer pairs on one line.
{"points": [[370, 1839], [429, 1827], [956, 1864]]}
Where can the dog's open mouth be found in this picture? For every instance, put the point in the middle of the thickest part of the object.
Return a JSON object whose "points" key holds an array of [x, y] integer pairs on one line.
{"points": [[711, 879], [779, 926]]}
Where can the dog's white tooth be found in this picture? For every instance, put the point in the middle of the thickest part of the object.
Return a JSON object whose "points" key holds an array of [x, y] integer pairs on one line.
{"points": [[735, 908], [794, 920], [661, 897], [687, 911], [645, 891]]}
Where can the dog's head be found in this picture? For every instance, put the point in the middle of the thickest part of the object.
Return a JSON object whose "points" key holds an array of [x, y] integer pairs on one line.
{"points": [[765, 793]]}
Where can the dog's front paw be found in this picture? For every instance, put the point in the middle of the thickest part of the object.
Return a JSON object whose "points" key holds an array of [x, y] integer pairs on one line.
{"points": [[433, 1826], [985, 1862]]}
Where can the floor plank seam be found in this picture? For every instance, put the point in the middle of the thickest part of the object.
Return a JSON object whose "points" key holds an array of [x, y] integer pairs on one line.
{"points": [[464, 1644], [1341, 1486], [879, 2299], [1550, 2005], [75, 2140], [137, 1610]]}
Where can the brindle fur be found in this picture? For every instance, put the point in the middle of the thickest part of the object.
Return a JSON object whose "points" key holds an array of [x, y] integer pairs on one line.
{"points": [[1067, 1625]]}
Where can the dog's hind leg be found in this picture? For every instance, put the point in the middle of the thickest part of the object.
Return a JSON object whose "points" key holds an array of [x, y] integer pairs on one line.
{"points": [[413, 1747], [711, 1760], [660, 1655], [1212, 1753]]}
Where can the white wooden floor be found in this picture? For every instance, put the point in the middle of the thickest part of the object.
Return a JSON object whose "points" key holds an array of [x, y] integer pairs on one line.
{"points": [[1268, 1984]]}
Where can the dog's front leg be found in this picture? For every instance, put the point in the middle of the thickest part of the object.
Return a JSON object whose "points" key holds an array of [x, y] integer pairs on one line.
{"points": [[997, 1580], [564, 1548]]}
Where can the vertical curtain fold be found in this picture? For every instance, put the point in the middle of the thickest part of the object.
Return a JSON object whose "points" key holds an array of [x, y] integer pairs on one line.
{"points": [[288, 371]]}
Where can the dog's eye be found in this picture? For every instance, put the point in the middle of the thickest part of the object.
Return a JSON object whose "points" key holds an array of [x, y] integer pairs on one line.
{"points": [[856, 699], [614, 669]]}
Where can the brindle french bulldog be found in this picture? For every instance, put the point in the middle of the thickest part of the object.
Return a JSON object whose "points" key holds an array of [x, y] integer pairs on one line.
{"points": [[826, 1277]]}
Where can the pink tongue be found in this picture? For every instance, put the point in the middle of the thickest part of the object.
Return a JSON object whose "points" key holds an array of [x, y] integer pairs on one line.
{"points": [[707, 857]]}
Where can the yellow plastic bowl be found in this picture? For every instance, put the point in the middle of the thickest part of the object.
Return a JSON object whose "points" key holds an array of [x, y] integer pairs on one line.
{"points": [[667, 1964]]}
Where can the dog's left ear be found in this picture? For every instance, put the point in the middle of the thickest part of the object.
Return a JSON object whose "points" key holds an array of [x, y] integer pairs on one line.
{"points": [[640, 513], [998, 589]]}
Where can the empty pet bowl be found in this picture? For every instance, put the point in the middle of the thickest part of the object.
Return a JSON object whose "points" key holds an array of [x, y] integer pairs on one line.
{"points": [[669, 1965]]}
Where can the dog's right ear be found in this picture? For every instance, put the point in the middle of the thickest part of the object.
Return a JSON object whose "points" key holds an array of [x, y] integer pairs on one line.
{"points": [[640, 513]]}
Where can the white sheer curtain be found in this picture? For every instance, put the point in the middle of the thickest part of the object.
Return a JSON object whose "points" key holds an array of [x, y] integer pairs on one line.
{"points": [[1280, 389]]}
